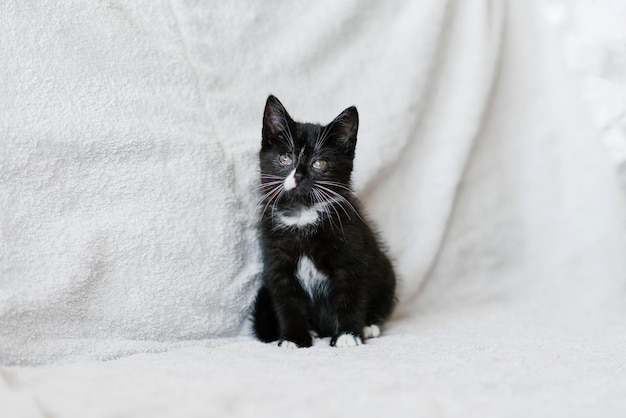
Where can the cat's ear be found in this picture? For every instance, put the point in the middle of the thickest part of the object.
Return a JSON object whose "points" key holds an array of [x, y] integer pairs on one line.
{"points": [[345, 126], [276, 120]]}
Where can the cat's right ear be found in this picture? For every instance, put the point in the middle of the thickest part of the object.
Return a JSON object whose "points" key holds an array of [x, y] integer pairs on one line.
{"points": [[276, 121], [344, 128]]}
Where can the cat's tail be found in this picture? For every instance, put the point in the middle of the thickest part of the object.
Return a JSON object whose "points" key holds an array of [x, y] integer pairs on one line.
{"points": [[264, 319]]}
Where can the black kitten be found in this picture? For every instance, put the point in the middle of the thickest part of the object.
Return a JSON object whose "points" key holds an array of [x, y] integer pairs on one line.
{"points": [[324, 272]]}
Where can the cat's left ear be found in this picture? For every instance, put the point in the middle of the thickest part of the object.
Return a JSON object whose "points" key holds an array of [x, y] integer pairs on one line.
{"points": [[345, 126]]}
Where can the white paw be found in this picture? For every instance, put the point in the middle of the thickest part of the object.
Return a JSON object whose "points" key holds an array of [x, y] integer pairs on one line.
{"points": [[287, 344], [373, 331], [313, 334], [347, 340]]}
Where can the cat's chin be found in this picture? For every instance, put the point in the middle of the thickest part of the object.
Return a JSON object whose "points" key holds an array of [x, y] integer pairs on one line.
{"points": [[295, 207], [297, 201]]}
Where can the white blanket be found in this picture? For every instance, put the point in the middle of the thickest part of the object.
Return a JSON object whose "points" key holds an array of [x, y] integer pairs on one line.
{"points": [[128, 212]]}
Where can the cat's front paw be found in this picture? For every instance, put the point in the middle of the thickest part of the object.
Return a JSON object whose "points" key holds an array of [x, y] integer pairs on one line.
{"points": [[345, 340], [372, 331], [287, 344], [296, 341]]}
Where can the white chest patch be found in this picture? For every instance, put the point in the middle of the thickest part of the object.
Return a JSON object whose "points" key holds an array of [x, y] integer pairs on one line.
{"points": [[312, 280], [303, 218]]}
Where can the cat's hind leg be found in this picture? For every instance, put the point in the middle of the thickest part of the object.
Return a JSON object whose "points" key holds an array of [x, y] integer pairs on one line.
{"points": [[264, 319]]}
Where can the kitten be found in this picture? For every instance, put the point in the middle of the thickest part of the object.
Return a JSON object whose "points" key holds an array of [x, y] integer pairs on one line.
{"points": [[324, 272]]}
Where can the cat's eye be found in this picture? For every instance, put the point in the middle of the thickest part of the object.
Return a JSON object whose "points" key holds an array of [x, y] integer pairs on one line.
{"points": [[320, 165], [285, 159]]}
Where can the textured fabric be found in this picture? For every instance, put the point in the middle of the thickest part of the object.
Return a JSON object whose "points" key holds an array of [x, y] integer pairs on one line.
{"points": [[120, 223], [128, 210], [133, 131]]}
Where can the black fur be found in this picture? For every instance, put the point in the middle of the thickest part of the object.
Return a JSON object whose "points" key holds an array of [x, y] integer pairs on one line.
{"points": [[360, 285]]}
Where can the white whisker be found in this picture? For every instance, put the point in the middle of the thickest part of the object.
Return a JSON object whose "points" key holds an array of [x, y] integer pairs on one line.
{"points": [[335, 184], [270, 176], [271, 197], [269, 188], [322, 137], [332, 200], [340, 199], [289, 135], [267, 184], [329, 203]]}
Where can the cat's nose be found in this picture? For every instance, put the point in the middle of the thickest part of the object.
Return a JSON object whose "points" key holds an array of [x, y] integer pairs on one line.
{"points": [[298, 177]]}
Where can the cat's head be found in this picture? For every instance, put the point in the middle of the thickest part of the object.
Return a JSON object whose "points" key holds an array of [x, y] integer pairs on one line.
{"points": [[304, 164]]}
